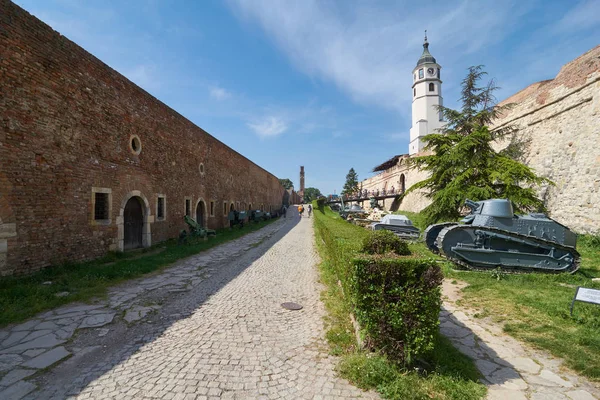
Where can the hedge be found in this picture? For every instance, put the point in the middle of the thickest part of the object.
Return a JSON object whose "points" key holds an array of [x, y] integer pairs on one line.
{"points": [[397, 303]]}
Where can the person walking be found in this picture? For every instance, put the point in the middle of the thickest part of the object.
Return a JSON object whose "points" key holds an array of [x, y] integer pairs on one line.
{"points": [[309, 210], [300, 210], [284, 212]]}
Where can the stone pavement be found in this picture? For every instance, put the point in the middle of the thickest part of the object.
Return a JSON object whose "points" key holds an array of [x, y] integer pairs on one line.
{"points": [[511, 370], [211, 326]]}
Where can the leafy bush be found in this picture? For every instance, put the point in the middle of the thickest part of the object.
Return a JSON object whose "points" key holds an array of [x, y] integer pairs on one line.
{"points": [[321, 203], [397, 303], [382, 241]]}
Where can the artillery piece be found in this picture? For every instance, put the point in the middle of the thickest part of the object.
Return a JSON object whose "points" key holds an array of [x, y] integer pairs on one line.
{"points": [[354, 210], [492, 236], [195, 230], [399, 224], [236, 218]]}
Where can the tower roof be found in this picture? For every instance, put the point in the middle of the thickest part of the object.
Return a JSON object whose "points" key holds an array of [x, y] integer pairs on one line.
{"points": [[426, 57]]}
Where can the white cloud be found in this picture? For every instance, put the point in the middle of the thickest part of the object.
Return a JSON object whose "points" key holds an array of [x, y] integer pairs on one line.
{"points": [[366, 48], [269, 126], [218, 93], [585, 15]]}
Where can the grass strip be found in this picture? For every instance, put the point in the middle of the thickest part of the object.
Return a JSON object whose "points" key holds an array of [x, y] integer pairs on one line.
{"points": [[449, 374], [24, 297]]}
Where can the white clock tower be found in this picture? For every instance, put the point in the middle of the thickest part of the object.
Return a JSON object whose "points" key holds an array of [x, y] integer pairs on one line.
{"points": [[427, 93]]}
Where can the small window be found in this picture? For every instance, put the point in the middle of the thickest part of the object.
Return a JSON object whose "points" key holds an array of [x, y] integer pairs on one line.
{"points": [[160, 207], [201, 168], [188, 206], [101, 206], [415, 92], [212, 208], [438, 73], [135, 144], [431, 87], [421, 73], [224, 208]]}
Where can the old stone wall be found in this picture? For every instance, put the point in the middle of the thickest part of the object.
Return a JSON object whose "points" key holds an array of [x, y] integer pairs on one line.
{"points": [[558, 125], [71, 126]]}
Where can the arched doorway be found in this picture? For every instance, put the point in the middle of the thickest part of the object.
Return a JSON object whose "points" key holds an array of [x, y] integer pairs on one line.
{"points": [[200, 213], [402, 184], [133, 221]]}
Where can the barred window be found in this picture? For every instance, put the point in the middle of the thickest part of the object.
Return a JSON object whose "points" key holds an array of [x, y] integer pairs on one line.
{"points": [[160, 208], [101, 206]]}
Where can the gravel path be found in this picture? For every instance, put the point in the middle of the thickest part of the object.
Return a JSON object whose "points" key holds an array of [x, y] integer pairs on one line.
{"points": [[211, 326], [511, 370]]}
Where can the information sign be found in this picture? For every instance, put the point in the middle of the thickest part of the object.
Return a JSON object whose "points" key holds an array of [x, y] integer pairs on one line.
{"points": [[586, 295]]}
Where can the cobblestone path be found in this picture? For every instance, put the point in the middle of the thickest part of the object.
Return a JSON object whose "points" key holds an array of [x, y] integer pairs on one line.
{"points": [[211, 326], [510, 369]]}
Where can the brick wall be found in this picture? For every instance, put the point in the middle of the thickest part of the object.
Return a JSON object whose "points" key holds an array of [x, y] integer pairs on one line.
{"points": [[66, 126]]}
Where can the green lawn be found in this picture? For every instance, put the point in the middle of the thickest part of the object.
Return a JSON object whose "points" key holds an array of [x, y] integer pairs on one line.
{"points": [[449, 374], [534, 308], [23, 297]]}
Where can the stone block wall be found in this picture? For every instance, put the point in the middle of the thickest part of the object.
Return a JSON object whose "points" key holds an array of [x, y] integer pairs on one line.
{"points": [[71, 126]]}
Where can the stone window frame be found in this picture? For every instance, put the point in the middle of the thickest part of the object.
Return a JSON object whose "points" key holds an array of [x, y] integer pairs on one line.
{"points": [[132, 140], [164, 216], [187, 200], [225, 208], [421, 73], [95, 221], [431, 87], [201, 169], [212, 208]]}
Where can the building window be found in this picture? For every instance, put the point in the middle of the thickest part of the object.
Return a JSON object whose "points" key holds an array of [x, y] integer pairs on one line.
{"points": [[438, 73], [201, 169], [212, 208], [415, 92], [161, 203], [101, 206], [421, 73], [414, 77], [431, 87], [135, 144], [188, 207], [224, 208], [441, 116]]}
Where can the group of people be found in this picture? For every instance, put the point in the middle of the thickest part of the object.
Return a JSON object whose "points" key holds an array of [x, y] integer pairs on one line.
{"points": [[370, 193], [300, 210]]}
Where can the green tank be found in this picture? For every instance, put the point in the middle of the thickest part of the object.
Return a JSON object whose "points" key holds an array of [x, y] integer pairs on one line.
{"points": [[492, 236]]}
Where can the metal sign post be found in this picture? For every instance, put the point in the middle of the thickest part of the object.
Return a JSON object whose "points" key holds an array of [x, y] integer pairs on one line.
{"points": [[586, 295]]}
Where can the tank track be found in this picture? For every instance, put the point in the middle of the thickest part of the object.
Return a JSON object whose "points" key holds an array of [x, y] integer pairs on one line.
{"points": [[511, 270], [441, 227]]}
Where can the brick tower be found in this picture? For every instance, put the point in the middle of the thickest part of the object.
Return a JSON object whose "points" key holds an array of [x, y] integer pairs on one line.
{"points": [[301, 192]]}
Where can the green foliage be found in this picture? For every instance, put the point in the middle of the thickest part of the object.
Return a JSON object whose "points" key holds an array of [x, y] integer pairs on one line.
{"points": [[321, 203], [397, 302], [464, 164], [311, 194], [383, 241], [351, 184], [286, 183]]}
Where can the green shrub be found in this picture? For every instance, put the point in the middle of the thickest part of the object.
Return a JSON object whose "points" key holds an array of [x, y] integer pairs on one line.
{"points": [[397, 303], [321, 203], [382, 241]]}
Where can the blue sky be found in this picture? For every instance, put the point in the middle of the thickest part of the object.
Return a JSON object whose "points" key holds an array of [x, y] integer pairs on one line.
{"points": [[324, 84]]}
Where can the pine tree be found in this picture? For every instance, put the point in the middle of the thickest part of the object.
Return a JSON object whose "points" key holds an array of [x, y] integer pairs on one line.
{"points": [[351, 184], [464, 165]]}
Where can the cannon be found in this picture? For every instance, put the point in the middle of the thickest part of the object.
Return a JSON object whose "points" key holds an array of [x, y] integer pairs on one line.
{"points": [[258, 215], [236, 218], [195, 230], [399, 224], [492, 236]]}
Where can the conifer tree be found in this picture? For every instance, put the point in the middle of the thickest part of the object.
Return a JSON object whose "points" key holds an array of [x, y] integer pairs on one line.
{"points": [[351, 184], [464, 165]]}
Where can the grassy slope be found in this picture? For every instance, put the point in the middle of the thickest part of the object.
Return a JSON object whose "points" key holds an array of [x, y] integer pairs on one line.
{"points": [[452, 376], [23, 297], [535, 307]]}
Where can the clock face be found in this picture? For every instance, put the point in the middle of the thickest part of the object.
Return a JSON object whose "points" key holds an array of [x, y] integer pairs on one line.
{"points": [[430, 71]]}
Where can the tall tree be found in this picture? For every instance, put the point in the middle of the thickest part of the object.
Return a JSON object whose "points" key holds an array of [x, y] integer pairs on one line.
{"points": [[351, 184], [311, 194], [464, 165], [286, 183]]}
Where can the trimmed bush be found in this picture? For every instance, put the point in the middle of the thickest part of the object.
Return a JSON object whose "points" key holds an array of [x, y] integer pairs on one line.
{"points": [[382, 241], [397, 303]]}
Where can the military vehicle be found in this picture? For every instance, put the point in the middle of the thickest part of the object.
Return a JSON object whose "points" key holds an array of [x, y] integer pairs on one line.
{"points": [[399, 224], [236, 218], [492, 236], [353, 210]]}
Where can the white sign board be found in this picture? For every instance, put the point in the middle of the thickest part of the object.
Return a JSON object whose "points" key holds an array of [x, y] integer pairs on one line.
{"points": [[586, 295]]}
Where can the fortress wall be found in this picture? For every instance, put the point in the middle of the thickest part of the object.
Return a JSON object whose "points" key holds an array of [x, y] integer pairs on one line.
{"points": [[66, 126]]}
